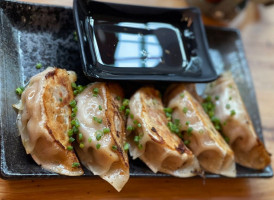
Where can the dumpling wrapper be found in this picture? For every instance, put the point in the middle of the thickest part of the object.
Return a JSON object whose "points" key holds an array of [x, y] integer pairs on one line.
{"points": [[110, 163], [44, 120], [249, 150], [213, 153], [160, 149]]}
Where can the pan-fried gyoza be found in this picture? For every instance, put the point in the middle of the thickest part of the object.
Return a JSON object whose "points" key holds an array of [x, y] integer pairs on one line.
{"points": [[181, 140], [236, 124], [151, 140], [102, 128], [44, 119], [199, 134]]}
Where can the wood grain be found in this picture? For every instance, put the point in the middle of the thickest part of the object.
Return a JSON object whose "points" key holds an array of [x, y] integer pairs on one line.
{"points": [[258, 38]]}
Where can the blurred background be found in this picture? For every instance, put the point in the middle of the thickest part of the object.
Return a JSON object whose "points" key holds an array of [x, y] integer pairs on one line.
{"points": [[233, 13]]}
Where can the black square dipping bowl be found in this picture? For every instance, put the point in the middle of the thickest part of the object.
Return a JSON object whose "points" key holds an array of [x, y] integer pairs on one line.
{"points": [[137, 43]]}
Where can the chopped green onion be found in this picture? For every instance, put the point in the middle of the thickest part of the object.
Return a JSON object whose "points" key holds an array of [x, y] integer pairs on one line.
{"points": [[100, 107], [73, 115], [71, 139], [97, 120], [125, 102], [189, 131], [126, 146], [74, 110], [209, 108], [77, 89], [130, 128], [70, 148], [73, 85], [98, 136], [118, 98], [217, 127], [70, 132], [81, 145], [137, 138], [168, 110], [139, 125], [80, 136], [185, 109], [114, 147], [75, 92], [38, 66], [106, 130], [168, 115], [75, 37], [182, 95], [211, 113], [225, 122], [121, 108], [60, 99], [135, 121], [217, 97], [89, 139], [232, 112], [187, 123], [173, 127], [75, 129], [215, 120], [140, 146], [127, 112], [226, 139], [75, 164], [73, 103], [98, 146], [75, 123], [186, 142], [230, 98], [80, 88], [180, 135], [95, 92], [177, 122], [131, 116], [208, 99], [227, 106], [19, 90]]}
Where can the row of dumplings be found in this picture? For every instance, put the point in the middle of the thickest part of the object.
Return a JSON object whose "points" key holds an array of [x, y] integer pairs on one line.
{"points": [[56, 119]]}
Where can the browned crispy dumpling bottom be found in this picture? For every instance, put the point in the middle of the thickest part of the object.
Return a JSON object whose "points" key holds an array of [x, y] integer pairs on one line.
{"points": [[44, 120]]}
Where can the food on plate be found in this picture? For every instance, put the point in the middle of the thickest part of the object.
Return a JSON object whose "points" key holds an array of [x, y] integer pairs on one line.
{"points": [[151, 140], [192, 124], [55, 116], [102, 133], [44, 119], [236, 124]]}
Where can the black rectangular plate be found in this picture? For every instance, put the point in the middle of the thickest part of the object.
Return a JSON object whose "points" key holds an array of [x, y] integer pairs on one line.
{"points": [[35, 33]]}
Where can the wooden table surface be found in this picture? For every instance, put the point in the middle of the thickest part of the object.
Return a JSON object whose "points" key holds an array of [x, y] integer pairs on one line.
{"points": [[257, 28]]}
